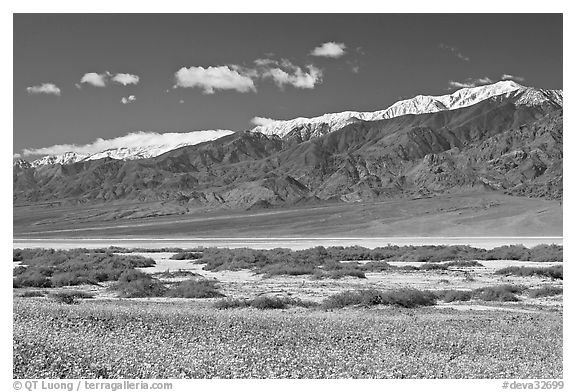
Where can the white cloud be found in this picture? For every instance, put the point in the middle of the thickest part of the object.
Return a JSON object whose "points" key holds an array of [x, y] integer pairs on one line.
{"points": [[512, 77], [128, 99], [44, 88], [95, 79], [126, 79], [330, 49], [215, 78], [460, 84], [454, 52], [16, 156], [168, 141], [262, 121], [470, 82], [181, 101], [283, 72], [102, 79]]}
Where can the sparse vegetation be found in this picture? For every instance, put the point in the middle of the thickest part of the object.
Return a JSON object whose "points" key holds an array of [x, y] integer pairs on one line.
{"points": [[406, 298], [454, 295], [33, 293], [281, 261], [70, 296], [179, 273], [264, 302], [432, 266], [553, 272], [463, 263], [56, 268], [546, 291], [504, 293], [186, 256], [194, 288], [137, 284]]}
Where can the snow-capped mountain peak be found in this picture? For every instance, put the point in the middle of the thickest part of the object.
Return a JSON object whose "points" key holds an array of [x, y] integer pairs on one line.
{"points": [[152, 145], [317, 126]]}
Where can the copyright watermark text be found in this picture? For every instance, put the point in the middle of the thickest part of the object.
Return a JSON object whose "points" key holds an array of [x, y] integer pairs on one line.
{"points": [[89, 385], [536, 384]]}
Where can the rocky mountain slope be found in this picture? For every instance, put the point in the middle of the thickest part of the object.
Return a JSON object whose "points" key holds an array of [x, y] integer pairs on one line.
{"points": [[509, 143]]}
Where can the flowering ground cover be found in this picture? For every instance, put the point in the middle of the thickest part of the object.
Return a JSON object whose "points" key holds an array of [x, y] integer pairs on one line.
{"points": [[124, 338]]}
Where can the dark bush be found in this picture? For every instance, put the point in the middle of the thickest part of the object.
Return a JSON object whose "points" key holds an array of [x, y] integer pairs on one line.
{"points": [[72, 267], [408, 268], [287, 269], [71, 296], [339, 273], [546, 253], [454, 295], [227, 303], [265, 302], [407, 298], [546, 291], [31, 278], [554, 272], [504, 293], [136, 284], [180, 273], [432, 266], [376, 266], [463, 263], [186, 256], [71, 279], [33, 293], [195, 289]]}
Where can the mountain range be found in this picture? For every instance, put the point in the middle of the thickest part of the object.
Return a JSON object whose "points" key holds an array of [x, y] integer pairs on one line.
{"points": [[502, 137]]}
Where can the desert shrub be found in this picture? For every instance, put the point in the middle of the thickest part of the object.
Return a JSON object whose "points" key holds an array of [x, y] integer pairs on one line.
{"points": [[407, 298], [287, 269], [72, 267], [376, 266], [71, 279], [228, 303], [180, 273], [71, 296], [504, 293], [31, 278], [546, 291], [432, 266], [186, 256], [33, 293], [408, 268], [468, 277], [339, 273], [554, 272], [265, 302], [136, 284], [546, 253], [463, 263], [454, 295], [508, 252], [193, 288]]}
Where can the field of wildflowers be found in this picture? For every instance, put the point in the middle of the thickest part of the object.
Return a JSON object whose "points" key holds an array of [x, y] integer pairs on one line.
{"points": [[147, 339]]}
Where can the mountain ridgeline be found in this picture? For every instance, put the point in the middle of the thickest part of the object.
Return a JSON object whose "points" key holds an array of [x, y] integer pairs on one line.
{"points": [[509, 143]]}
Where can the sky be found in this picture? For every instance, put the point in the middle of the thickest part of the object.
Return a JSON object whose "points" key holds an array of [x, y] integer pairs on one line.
{"points": [[83, 77]]}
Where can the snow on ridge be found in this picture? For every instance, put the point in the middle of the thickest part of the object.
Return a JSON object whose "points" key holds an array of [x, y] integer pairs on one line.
{"points": [[417, 105], [132, 146]]}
